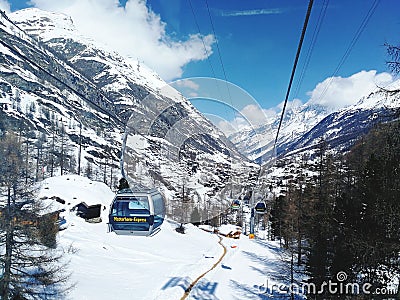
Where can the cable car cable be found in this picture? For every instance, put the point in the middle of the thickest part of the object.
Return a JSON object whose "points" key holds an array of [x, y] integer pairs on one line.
{"points": [[317, 29], [274, 150], [207, 53], [204, 44], [220, 56], [350, 47], [303, 32]]}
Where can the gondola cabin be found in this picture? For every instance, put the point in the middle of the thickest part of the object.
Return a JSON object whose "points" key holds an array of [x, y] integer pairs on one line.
{"points": [[138, 211], [260, 208], [235, 205]]}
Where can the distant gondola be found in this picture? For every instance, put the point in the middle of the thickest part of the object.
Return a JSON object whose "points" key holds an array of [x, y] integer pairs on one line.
{"points": [[137, 211], [235, 205], [260, 207]]}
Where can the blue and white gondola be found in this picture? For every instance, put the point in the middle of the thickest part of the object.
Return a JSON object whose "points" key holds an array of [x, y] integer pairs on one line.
{"points": [[137, 211]]}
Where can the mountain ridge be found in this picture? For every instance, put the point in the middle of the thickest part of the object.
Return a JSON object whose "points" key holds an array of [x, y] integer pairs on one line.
{"points": [[307, 123], [90, 95]]}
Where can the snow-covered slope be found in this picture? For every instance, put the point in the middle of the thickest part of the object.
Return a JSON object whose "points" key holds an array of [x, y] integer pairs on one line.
{"points": [[49, 96], [258, 144], [73, 90], [128, 84], [305, 125], [106, 266], [342, 128]]}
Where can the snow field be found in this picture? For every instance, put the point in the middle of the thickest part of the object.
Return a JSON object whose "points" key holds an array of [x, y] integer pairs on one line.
{"points": [[107, 266]]}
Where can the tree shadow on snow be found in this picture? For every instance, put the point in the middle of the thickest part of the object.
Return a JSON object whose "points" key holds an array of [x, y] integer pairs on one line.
{"points": [[183, 282], [271, 246], [274, 265], [203, 289], [271, 268]]}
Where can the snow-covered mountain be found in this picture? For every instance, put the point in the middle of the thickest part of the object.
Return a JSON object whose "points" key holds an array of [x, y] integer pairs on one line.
{"points": [[342, 128], [305, 125], [63, 85], [258, 144]]}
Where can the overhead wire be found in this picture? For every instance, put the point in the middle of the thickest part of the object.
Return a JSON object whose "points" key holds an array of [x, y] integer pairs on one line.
{"points": [[220, 57], [207, 53], [316, 32], [350, 47], [340, 64], [202, 39], [303, 32]]}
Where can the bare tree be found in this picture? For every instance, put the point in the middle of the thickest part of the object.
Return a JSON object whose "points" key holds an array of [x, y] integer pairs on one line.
{"points": [[394, 62], [32, 267]]}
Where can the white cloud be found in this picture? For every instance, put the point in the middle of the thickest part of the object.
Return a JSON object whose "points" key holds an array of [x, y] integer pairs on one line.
{"points": [[256, 115], [250, 117], [133, 30], [188, 83], [333, 93], [338, 92], [252, 12], [295, 103], [5, 6]]}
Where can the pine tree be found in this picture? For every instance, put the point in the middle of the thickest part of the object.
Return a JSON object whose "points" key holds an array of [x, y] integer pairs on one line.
{"points": [[356, 228], [320, 233], [376, 195]]}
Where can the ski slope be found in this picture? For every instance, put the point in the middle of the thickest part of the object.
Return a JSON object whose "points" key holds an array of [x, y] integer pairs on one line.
{"points": [[108, 266]]}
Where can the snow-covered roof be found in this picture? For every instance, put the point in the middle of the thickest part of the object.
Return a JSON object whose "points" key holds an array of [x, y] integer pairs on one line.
{"points": [[5, 101]]}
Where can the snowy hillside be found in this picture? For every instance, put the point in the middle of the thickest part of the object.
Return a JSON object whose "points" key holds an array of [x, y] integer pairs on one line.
{"points": [[342, 128], [130, 85], [105, 265], [86, 104], [306, 124], [258, 144]]}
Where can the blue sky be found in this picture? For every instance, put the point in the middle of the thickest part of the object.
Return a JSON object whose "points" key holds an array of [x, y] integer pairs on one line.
{"points": [[258, 48], [257, 40]]}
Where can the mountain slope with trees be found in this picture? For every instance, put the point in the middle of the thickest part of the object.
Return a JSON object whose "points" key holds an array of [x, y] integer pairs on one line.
{"points": [[77, 106], [347, 217]]}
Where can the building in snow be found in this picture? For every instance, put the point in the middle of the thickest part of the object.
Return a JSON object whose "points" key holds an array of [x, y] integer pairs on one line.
{"points": [[5, 103]]}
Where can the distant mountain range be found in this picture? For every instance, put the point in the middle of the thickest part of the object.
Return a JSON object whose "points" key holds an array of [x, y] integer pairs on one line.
{"points": [[305, 125]]}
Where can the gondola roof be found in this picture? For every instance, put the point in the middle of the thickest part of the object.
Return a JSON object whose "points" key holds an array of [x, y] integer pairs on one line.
{"points": [[136, 189]]}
